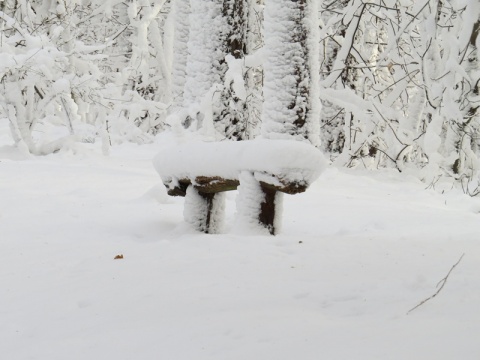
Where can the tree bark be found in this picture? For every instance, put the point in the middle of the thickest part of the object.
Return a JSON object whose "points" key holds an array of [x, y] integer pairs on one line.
{"points": [[292, 104]]}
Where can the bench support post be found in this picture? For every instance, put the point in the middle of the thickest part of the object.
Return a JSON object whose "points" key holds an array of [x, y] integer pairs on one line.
{"points": [[267, 214], [205, 211], [258, 204]]}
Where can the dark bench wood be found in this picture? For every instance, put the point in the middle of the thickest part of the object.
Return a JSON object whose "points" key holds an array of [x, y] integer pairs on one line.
{"points": [[208, 186]]}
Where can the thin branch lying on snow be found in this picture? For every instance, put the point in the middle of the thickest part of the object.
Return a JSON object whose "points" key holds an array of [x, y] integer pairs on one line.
{"points": [[440, 286]]}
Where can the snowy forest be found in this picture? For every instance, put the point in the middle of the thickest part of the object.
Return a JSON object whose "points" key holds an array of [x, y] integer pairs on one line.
{"points": [[374, 84], [373, 105]]}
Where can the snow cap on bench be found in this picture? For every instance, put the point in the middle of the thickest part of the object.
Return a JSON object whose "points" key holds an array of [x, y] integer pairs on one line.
{"points": [[291, 161]]}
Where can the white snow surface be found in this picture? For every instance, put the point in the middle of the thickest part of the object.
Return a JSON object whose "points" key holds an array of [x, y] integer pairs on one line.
{"points": [[288, 159], [356, 252]]}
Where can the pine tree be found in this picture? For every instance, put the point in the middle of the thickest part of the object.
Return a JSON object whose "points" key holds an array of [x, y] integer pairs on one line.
{"points": [[231, 117], [217, 42]]}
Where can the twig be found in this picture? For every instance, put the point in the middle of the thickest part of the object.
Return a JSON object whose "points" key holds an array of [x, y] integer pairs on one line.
{"points": [[70, 124], [389, 124], [441, 283]]}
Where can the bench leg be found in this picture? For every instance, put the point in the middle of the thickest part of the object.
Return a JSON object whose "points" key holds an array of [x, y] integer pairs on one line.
{"points": [[258, 204], [269, 215], [205, 211]]}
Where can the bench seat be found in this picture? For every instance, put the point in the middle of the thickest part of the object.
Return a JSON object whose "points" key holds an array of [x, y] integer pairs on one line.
{"points": [[202, 171]]}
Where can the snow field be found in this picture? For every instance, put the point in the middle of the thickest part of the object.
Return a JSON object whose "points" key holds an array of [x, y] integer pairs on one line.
{"points": [[356, 252]]}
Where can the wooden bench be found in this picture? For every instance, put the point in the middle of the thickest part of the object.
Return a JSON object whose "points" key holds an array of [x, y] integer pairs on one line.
{"points": [[262, 171]]}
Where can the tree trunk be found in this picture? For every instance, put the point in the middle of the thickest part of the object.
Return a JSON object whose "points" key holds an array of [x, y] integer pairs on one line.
{"points": [[292, 104], [180, 52]]}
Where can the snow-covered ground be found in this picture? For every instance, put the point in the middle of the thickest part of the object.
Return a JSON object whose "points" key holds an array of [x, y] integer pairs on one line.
{"points": [[356, 252]]}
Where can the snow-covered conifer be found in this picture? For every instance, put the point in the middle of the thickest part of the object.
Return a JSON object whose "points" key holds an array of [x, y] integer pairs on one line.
{"points": [[214, 89], [231, 118], [205, 64]]}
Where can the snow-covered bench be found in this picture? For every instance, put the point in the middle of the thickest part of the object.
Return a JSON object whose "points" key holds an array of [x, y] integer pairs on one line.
{"points": [[262, 170]]}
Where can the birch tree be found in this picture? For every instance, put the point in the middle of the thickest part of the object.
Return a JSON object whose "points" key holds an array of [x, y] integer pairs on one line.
{"points": [[452, 92], [332, 35]]}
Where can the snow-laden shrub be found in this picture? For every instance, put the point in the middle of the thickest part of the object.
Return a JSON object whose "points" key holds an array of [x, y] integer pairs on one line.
{"points": [[83, 70], [400, 86], [42, 98]]}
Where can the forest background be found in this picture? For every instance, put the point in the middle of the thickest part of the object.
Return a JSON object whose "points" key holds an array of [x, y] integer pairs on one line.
{"points": [[398, 80]]}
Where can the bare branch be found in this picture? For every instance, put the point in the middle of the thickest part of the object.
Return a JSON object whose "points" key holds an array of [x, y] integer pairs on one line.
{"points": [[440, 286]]}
